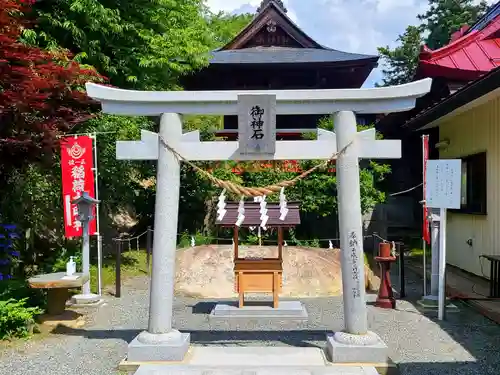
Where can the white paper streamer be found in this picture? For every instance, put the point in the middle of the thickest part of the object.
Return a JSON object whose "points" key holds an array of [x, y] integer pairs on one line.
{"points": [[241, 212], [283, 205], [221, 206]]}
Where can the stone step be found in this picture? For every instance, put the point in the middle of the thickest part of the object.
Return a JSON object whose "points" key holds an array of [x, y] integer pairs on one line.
{"points": [[244, 356], [254, 370]]}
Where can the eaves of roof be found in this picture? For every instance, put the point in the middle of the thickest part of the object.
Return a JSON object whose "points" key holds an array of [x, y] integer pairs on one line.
{"points": [[283, 55], [474, 90], [466, 58]]}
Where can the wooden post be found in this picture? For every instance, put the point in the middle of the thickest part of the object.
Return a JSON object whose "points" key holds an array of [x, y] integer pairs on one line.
{"points": [[402, 289], [275, 290], [235, 237], [280, 243], [118, 265]]}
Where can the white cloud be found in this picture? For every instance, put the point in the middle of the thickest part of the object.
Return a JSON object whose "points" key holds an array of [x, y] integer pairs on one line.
{"points": [[350, 25]]}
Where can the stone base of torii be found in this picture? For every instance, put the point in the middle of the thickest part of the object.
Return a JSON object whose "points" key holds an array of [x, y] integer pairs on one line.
{"points": [[161, 342]]}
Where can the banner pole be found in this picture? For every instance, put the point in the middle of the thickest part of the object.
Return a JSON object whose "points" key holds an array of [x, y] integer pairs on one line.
{"points": [[99, 238], [424, 245]]}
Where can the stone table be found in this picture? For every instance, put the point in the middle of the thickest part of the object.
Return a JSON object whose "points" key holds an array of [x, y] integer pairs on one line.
{"points": [[57, 285]]}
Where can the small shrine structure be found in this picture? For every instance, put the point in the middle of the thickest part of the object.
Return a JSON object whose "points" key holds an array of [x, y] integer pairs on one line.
{"points": [[259, 275]]}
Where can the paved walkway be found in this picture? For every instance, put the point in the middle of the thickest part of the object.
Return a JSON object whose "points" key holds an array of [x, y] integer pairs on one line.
{"points": [[465, 344]]}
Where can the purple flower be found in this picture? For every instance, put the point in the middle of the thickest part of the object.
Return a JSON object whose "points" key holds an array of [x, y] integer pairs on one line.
{"points": [[14, 253], [14, 235], [4, 262], [9, 277], [1, 276], [10, 226]]}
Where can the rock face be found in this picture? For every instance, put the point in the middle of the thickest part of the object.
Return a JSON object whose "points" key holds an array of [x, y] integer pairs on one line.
{"points": [[207, 271]]}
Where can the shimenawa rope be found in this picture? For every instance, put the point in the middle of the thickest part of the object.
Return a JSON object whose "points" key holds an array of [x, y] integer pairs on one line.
{"points": [[240, 190]]}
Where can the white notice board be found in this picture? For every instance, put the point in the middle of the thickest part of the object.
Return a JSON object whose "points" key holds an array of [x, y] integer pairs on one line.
{"points": [[443, 183]]}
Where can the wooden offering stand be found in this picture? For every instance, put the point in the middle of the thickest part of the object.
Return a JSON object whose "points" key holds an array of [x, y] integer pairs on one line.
{"points": [[259, 275]]}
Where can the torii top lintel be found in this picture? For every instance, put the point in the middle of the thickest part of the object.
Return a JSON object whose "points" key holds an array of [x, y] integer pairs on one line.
{"points": [[153, 103]]}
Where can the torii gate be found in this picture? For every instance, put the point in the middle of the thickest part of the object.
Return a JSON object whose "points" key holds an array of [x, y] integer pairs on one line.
{"points": [[163, 343]]}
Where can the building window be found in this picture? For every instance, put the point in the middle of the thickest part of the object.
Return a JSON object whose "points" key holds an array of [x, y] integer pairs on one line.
{"points": [[473, 184]]}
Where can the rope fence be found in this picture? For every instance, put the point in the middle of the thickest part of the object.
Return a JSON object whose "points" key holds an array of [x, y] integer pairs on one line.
{"points": [[398, 251], [197, 239]]}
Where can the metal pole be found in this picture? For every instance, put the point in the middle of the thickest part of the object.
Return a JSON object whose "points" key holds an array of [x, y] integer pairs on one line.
{"points": [[118, 265], [85, 256], [99, 238], [435, 230], [423, 198], [442, 266], [402, 286]]}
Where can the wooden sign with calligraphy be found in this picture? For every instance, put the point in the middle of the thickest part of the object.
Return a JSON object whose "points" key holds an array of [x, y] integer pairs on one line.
{"points": [[443, 183], [257, 124]]}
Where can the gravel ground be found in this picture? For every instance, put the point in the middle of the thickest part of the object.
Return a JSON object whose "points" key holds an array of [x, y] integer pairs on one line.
{"points": [[465, 344]]}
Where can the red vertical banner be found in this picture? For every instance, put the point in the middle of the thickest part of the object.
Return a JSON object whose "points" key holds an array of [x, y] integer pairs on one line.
{"points": [[77, 176], [425, 230]]}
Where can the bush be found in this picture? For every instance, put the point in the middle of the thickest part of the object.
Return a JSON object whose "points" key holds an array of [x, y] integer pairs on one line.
{"points": [[199, 238], [17, 320], [19, 290]]}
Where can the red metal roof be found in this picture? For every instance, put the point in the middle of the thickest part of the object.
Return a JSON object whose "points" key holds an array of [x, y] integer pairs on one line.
{"points": [[466, 57]]}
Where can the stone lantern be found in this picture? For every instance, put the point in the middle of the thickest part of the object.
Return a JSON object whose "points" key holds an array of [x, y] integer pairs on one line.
{"points": [[85, 204]]}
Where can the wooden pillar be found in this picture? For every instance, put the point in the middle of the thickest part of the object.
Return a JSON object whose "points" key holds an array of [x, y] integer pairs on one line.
{"points": [[235, 238], [280, 243]]}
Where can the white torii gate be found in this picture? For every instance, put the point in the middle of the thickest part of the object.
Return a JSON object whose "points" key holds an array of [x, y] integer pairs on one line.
{"points": [[161, 341]]}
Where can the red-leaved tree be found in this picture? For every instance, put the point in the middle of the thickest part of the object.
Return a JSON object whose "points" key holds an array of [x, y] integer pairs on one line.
{"points": [[41, 93]]}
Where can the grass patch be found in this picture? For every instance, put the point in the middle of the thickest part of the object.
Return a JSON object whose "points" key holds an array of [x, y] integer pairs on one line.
{"points": [[419, 252], [133, 265]]}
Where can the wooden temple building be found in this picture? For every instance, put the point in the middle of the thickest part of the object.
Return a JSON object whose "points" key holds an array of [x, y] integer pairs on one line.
{"points": [[472, 52], [272, 52], [259, 275]]}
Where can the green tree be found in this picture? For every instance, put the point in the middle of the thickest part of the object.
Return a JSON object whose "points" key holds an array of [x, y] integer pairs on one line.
{"points": [[444, 17], [142, 44], [401, 62], [225, 27]]}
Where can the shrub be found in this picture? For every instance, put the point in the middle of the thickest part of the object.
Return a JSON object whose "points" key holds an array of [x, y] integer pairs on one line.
{"points": [[19, 289], [17, 320]]}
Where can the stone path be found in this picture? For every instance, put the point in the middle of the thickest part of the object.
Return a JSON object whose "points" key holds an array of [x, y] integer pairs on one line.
{"points": [[465, 344], [256, 370]]}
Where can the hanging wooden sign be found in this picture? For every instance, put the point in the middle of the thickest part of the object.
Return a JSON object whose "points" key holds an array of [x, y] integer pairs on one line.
{"points": [[257, 124]]}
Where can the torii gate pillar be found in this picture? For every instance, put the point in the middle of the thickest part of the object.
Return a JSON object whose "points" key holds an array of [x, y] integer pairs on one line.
{"points": [[355, 343], [160, 341]]}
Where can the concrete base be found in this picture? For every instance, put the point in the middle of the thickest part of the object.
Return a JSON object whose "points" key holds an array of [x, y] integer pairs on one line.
{"points": [[255, 370], [169, 350], [292, 310], [431, 303], [86, 300], [341, 352], [255, 359]]}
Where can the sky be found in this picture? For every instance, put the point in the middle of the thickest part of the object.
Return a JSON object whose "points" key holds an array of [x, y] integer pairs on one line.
{"points": [[358, 26]]}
